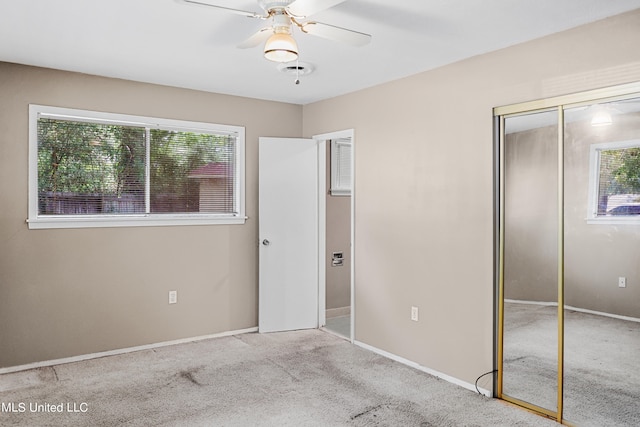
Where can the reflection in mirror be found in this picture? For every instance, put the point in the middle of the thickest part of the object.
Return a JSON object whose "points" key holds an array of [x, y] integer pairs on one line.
{"points": [[530, 344], [602, 264]]}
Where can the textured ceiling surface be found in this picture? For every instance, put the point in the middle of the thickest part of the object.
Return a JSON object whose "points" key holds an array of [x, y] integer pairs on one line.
{"points": [[173, 43]]}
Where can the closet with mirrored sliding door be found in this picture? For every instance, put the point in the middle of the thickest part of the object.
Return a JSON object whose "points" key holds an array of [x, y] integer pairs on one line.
{"points": [[568, 256]]}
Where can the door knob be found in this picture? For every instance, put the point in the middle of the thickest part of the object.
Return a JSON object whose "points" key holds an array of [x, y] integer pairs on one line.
{"points": [[266, 242]]}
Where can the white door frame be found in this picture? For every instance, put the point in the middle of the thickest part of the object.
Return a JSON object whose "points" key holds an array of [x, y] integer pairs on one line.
{"points": [[322, 224]]}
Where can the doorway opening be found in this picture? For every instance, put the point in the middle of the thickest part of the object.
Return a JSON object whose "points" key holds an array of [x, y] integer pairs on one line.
{"points": [[336, 308]]}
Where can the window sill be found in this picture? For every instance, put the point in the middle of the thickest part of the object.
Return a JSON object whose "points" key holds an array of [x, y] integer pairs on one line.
{"points": [[135, 221], [609, 220]]}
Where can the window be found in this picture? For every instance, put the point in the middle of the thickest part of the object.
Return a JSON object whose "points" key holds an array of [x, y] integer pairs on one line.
{"points": [[91, 169], [614, 193], [341, 167]]}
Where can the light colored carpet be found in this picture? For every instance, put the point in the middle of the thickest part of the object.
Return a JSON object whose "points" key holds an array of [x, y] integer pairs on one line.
{"points": [[302, 378], [601, 372]]}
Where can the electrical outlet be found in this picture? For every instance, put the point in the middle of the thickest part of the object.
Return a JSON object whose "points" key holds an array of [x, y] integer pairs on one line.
{"points": [[414, 313], [173, 297], [622, 282]]}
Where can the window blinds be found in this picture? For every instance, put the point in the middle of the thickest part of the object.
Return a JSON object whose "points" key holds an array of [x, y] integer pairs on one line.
{"points": [[341, 175]]}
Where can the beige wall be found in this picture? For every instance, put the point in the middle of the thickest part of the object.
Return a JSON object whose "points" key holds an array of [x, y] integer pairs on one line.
{"points": [[531, 214], [71, 292], [424, 214], [338, 235]]}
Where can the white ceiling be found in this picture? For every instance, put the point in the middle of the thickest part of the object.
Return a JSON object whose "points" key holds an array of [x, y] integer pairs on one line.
{"points": [[172, 43]]}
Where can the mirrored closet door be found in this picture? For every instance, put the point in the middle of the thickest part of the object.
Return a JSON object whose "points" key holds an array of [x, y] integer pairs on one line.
{"points": [[568, 170], [531, 259]]}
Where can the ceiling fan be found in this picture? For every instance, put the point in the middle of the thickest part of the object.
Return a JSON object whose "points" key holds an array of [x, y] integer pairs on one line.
{"points": [[283, 15]]}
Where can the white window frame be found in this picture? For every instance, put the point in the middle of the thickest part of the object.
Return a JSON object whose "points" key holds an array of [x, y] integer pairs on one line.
{"points": [[336, 159], [37, 221], [594, 184]]}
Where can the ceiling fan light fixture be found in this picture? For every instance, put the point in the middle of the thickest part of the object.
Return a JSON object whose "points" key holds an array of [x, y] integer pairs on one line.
{"points": [[281, 47]]}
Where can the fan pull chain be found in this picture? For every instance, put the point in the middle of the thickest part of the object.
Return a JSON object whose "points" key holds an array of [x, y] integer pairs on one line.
{"points": [[297, 81]]}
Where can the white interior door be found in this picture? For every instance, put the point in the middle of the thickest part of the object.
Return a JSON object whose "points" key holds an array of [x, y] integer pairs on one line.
{"points": [[288, 197]]}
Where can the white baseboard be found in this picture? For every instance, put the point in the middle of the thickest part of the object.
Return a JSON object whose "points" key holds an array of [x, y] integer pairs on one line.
{"points": [[337, 312], [419, 367], [601, 313], [542, 303], [581, 310], [120, 351]]}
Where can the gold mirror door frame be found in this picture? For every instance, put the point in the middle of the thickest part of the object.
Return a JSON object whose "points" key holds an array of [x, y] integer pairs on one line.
{"points": [[542, 161]]}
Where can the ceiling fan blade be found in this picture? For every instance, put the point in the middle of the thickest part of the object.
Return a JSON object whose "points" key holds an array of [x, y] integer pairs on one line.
{"points": [[257, 38], [302, 8], [227, 9], [331, 32]]}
